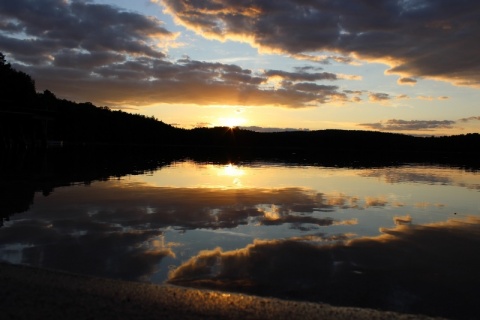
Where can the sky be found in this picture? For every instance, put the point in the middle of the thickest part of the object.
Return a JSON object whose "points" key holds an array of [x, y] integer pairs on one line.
{"points": [[404, 66]]}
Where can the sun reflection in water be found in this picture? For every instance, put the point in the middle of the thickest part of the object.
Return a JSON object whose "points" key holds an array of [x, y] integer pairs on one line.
{"points": [[233, 171]]}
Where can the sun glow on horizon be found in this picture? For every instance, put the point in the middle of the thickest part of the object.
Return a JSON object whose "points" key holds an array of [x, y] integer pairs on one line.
{"points": [[231, 122]]}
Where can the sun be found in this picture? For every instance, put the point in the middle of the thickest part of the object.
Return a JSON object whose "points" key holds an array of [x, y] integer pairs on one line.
{"points": [[231, 122], [233, 170]]}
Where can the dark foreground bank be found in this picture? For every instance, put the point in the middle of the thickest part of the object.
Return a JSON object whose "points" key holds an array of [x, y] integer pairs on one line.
{"points": [[30, 293]]}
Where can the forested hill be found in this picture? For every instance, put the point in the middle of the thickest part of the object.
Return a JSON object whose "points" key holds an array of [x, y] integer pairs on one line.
{"points": [[29, 119]]}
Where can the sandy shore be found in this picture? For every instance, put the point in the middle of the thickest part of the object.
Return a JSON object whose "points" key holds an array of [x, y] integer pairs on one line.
{"points": [[30, 293]]}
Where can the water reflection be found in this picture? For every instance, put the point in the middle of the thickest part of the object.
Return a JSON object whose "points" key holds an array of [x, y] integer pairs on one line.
{"points": [[110, 228], [412, 268], [418, 174], [382, 237], [85, 247]]}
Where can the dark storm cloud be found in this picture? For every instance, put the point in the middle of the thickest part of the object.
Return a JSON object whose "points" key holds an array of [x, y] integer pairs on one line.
{"points": [[400, 125], [86, 51], [428, 38], [401, 268]]}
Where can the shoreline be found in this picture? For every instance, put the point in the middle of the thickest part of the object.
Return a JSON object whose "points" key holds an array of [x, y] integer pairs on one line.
{"points": [[32, 293]]}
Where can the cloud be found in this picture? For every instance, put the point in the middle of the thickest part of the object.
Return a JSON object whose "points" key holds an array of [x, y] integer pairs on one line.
{"points": [[202, 125], [470, 119], [427, 40], [109, 56], [402, 125], [407, 81], [430, 98], [407, 268], [349, 77], [147, 80], [301, 76], [357, 92], [324, 59], [376, 97], [427, 98], [80, 25]]}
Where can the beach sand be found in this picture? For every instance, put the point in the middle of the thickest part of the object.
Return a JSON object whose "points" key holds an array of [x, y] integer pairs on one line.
{"points": [[32, 293]]}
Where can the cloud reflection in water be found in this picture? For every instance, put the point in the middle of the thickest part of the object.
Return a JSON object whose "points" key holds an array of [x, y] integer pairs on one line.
{"points": [[429, 269], [184, 208], [86, 247], [113, 229]]}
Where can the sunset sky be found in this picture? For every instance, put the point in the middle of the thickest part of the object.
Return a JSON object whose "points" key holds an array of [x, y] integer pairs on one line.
{"points": [[406, 66]]}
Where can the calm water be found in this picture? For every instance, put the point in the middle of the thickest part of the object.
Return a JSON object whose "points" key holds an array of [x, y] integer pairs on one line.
{"points": [[399, 238]]}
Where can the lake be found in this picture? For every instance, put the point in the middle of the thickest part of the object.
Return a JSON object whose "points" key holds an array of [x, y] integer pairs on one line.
{"points": [[403, 238]]}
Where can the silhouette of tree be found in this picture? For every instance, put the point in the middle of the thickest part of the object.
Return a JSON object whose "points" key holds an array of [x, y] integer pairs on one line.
{"points": [[17, 87]]}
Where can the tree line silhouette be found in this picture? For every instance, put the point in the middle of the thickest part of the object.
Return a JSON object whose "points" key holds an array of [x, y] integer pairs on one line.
{"points": [[30, 119]]}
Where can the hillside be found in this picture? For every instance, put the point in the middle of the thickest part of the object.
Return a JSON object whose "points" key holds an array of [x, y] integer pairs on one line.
{"points": [[29, 119]]}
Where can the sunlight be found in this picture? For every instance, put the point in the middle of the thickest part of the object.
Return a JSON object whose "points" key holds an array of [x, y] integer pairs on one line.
{"points": [[231, 122], [232, 171]]}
